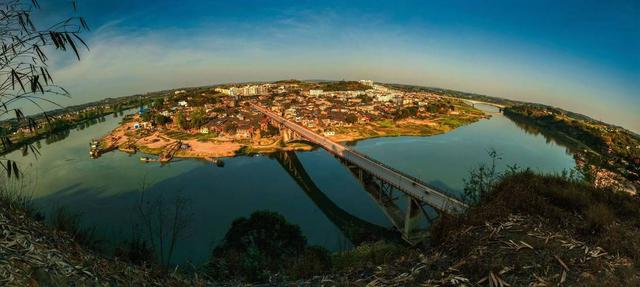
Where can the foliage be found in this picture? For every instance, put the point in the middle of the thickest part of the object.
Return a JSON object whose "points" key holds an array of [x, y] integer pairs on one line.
{"points": [[230, 127], [615, 148], [557, 199], [368, 255], [351, 118], [136, 251], [257, 246], [161, 120], [343, 86], [24, 62], [63, 220], [198, 117], [314, 260], [481, 179], [406, 113], [164, 221], [181, 121]]}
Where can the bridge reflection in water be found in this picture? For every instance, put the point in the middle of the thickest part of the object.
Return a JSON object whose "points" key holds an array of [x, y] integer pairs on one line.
{"points": [[353, 228], [379, 180]]}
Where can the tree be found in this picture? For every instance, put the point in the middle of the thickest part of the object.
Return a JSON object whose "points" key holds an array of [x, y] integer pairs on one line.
{"points": [[146, 116], [230, 127], [161, 120], [158, 103], [265, 242], [181, 120], [165, 222], [351, 118], [198, 117], [24, 76]]}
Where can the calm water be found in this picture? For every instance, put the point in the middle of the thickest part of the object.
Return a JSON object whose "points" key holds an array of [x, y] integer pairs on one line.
{"points": [[105, 191]]}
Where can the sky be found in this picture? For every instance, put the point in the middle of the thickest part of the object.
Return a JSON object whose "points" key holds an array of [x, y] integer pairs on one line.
{"points": [[582, 56]]}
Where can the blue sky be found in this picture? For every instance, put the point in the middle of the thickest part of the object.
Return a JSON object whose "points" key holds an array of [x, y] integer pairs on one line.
{"points": [[579, 55]]}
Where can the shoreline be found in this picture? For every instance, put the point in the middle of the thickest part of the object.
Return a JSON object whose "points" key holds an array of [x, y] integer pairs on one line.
{"points": [[154, 142]]}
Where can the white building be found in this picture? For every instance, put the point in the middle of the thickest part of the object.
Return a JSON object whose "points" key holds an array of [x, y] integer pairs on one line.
{"points": [[366, 82], [316, 92], [183, 103]]}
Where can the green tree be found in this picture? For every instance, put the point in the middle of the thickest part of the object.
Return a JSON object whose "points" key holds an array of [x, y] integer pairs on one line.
{"points": [[158, 103], [181, 120], [146, 116], [265, 242], [161, 120], [198, 117]]}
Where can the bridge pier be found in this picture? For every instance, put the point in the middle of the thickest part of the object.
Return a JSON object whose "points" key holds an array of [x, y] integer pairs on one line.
{"points": [[406, 222], [413, 216]]}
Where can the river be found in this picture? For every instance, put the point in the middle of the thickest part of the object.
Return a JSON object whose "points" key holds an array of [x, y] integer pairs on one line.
{"points": [[105, 191]]}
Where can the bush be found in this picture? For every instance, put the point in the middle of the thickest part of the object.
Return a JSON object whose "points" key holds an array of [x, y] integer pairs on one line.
{"points": [[368, 255], [256, 246], [65, 221], [136, 251], [597, 217], [315, 260]]}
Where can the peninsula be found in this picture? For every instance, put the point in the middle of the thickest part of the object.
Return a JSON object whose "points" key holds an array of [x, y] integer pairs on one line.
{"points": [[218, 121]]}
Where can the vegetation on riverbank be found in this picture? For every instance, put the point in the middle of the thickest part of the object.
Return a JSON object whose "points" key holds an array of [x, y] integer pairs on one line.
{"points": [[600, 147], [523, 228]]}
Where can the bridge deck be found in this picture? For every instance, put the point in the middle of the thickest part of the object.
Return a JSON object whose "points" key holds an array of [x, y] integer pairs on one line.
{"points": [[405, 183]]}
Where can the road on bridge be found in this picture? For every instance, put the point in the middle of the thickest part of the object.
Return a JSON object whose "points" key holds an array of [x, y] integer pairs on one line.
{"points": [[405, 183]]}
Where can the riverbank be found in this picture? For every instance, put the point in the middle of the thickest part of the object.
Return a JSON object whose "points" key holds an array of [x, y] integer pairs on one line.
{"points": [[33, 254], [610, 154], [551, 235]]}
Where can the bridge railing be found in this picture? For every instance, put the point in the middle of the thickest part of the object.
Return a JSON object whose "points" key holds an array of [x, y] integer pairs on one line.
{"points": [[413, 178]]}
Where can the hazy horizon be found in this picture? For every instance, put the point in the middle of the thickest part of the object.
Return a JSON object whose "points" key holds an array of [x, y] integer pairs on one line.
{"points": [[579, 56]]}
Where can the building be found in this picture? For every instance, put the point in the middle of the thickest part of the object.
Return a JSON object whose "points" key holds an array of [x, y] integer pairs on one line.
{"points": [[366, 82], [183, 103], [316, 92]]}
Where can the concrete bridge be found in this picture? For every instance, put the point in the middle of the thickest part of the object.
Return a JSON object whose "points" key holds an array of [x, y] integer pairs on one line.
{"points": [[474, 102], [353, 228], [379, 179]]}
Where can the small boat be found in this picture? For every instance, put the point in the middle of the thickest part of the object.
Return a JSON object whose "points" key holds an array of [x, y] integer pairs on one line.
{"points": [[216, 161]]}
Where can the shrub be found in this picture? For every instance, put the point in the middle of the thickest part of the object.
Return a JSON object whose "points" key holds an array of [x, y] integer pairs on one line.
{"points": [[65, 221], [369, 255], [255, 246], [136, 251], [315, 260], [597, 217]]}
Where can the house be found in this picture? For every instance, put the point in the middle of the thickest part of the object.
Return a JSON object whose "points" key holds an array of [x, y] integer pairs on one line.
{"points": [[204, 130], [244, 133], [183, 103]]}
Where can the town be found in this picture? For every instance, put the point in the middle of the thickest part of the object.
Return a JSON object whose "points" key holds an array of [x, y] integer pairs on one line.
{"points": [[218, 121]]}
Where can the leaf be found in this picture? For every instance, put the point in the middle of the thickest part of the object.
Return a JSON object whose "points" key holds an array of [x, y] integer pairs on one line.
{"points": [[8, 168], [16, 172], [73, 46]]}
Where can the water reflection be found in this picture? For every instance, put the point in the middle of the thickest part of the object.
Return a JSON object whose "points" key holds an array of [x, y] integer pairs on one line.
{"points": [[320, 194]]}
